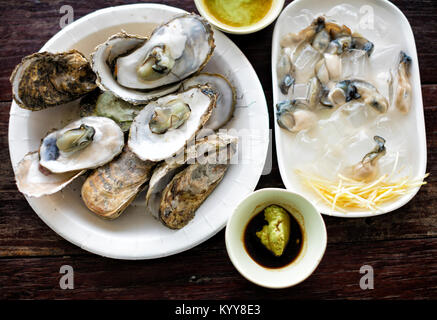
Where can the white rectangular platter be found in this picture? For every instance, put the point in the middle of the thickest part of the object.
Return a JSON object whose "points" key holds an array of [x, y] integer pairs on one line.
{"points": [[385, 25]]}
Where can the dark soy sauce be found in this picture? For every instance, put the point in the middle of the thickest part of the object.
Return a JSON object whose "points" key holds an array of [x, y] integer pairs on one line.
{"points": [[264, 257]]}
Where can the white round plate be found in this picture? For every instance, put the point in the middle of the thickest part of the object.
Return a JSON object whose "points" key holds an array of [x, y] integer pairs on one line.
{"points": [[135, 235]]}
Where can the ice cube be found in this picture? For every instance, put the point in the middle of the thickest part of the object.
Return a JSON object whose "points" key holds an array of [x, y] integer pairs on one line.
{"points": [[357, 114], [355, 65], [346, 13], [305, 63], [384, 58], [299, 91]]}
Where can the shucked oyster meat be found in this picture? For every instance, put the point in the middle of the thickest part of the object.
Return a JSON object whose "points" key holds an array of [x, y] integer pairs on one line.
{"points": [[294, 116], [177, 188], [367, 169], [357, 90], [110, 189], [165, 126], [403, 92], [317, 50], [47, 79]]}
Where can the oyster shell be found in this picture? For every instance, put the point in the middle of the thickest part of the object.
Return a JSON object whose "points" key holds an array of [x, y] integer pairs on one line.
{"points": [[110, 189], [177, 188], [34, 181], [174, 51], [159, 146], [186, 192], [103, 61], [105, 143], [47, 79], [226, 97]]}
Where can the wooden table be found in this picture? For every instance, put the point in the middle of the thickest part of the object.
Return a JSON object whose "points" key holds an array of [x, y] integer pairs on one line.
{"points": [[400, 246]]}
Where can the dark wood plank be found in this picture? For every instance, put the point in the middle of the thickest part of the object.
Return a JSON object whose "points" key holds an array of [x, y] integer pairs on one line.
{"points": [[27, 25], [402, 270]]}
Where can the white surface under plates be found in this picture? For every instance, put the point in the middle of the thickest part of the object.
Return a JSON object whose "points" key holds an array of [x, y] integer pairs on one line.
{"points": [[405, 134], [135, 235]]}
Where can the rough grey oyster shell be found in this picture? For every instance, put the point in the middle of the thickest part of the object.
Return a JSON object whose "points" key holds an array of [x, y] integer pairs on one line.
{"points": [[48, 79], [177, 188], [110, 189]]}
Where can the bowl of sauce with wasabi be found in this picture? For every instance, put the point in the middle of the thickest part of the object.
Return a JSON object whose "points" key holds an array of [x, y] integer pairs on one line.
{"points": [[240, 16], [275, 238]]}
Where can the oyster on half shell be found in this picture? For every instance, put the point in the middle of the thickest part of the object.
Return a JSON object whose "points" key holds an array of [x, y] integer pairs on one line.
{"points": [[110, 189], [166, 125], [87, 143], [138, 70], [226, 97], [103, 61], [177, 188], [174, 51], [47, 79]]}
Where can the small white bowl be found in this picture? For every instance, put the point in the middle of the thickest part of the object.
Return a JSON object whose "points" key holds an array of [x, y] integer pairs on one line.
{"points": [[314, 238], [271, 15]]}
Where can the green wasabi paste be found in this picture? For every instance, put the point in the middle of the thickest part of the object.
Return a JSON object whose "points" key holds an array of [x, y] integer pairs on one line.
{"points": [[275, 235]]}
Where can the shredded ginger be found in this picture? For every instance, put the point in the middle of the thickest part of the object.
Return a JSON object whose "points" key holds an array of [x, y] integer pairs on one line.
{"points": [[346, 193]]}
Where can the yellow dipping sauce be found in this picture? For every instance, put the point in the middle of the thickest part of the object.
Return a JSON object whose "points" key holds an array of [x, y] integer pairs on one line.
{"points": [[238, 13]]}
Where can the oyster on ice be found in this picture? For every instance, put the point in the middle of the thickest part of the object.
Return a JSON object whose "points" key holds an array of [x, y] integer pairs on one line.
{"points": [[47, 79], [35, 181], [103, 61], [285, 71], [83, 144], [403, 92], [178, 188], [166, 125], [367, 169], [360, 91], [110, 189], [317, 50], [293, 116], [226, 98]]}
